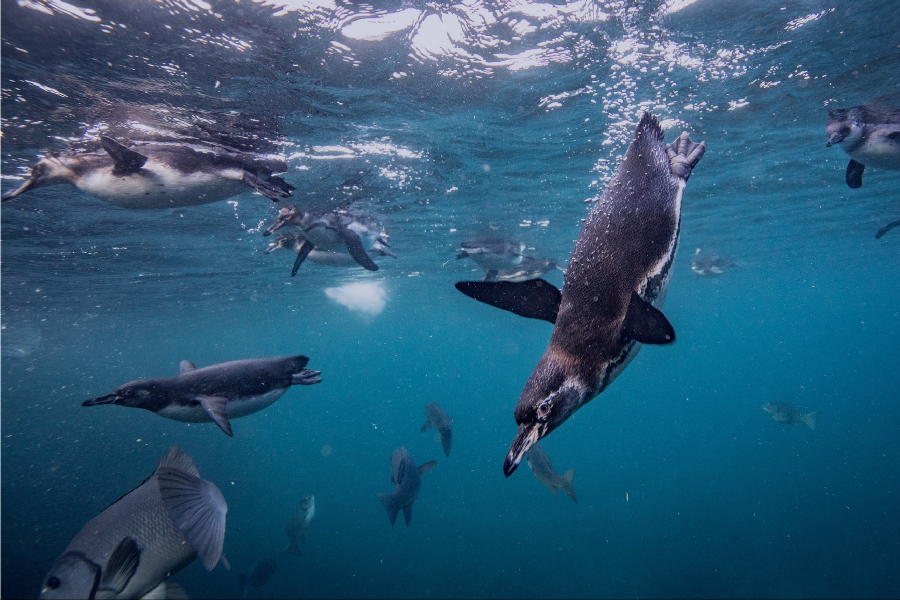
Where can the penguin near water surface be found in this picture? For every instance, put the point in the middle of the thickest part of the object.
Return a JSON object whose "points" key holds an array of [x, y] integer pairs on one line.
{"points": [[615, 281], [160, 174], [869, 133]]}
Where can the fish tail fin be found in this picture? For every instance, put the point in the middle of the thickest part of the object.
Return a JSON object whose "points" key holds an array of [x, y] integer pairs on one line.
{"points": [[391, 506], [567, 486], [811, 419]]}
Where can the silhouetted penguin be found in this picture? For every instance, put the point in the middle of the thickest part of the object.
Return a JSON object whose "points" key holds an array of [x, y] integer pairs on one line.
{"points": [[869, 133], [493, 255], [617, 276], [528, 268], [160, 174], [216, 393], [338, 232]]}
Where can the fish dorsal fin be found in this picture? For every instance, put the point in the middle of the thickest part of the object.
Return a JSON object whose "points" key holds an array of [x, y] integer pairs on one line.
{"points": [[535, 298], [126, 161], [426, 427], [646, 324], [217, 409], [186, 366], [197, 509], [177, 458], [121, 566], [425, 467]]}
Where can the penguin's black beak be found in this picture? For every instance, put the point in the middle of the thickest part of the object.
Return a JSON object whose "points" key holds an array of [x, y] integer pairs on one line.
{"points": [[107, 399], [528, 435], [836, 138], [28, 185], [272, 228]]}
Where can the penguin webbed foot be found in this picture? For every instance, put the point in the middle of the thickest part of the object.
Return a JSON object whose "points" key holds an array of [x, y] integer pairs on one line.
{"points": [[272, 191], [684, 155], [306, 377]]}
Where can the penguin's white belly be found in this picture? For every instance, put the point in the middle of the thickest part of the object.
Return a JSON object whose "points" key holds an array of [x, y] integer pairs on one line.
{"points": [[158, 186], [237, 407], [879, 151], [332, 259]]}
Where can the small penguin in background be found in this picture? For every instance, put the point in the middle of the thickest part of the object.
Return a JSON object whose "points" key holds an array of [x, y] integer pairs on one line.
{"points": [[869, 133], [160, 174]]}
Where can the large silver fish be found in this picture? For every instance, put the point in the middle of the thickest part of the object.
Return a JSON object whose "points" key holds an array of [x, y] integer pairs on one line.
{"points": [[790, 414], [131, 548]]}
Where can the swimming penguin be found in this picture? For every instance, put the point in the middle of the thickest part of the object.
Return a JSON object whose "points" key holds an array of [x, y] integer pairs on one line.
{"points": [[529, 268], [617, 277], [493, 255], [160, 174], [216, 393], [133, 547], [296, 242], [869, 133], [710, 266], [338, 232]]}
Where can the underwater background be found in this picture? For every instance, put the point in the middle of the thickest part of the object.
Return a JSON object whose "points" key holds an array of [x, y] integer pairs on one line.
{"points": [[445, 120]]}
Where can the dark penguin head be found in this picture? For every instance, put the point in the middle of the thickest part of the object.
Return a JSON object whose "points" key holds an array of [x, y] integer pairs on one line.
{"points": [[135, 394], [549, 398], [287, 216], [51, 170], [845, 127]]}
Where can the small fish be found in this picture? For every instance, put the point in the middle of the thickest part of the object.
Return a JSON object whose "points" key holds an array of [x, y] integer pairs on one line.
{"points": [[405, 477], [260, 572], [710, 266], [785, 412], [442, 422], [132, 548], [300, 520], [540, 465]]}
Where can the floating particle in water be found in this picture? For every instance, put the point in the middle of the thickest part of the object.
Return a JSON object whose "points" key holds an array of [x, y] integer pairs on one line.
{"points": [[326, 450]]}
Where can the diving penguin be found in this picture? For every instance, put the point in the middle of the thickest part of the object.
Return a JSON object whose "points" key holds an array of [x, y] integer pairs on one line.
{"points": [[617, 277], [493, 255], [160, 174], [869, 133], [217, 393], [338, 232]]}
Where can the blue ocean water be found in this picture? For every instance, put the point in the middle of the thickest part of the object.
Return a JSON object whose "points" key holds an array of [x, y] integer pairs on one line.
{"points": [[448, 120]]}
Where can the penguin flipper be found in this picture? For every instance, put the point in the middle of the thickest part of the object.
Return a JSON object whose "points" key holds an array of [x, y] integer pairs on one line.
{"points": [[305, 248], [534, 299], [269, 190], [646, 324], [126, 161], [886, 228], [217, 409], [854, 174], [355, 247]]}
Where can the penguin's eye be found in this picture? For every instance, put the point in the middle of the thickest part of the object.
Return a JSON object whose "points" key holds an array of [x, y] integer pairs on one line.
{"points": [[544, 409], [53, 583]]}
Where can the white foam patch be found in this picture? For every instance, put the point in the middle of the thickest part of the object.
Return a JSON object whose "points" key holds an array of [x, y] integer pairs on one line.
{"points": [[367, 297]]}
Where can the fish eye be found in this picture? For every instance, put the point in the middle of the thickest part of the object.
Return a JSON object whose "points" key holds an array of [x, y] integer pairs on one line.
{"points": [[53, 583]]}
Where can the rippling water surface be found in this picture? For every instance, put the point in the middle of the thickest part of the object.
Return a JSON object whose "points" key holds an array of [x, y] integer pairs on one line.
{"points": [[445, 121]]}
